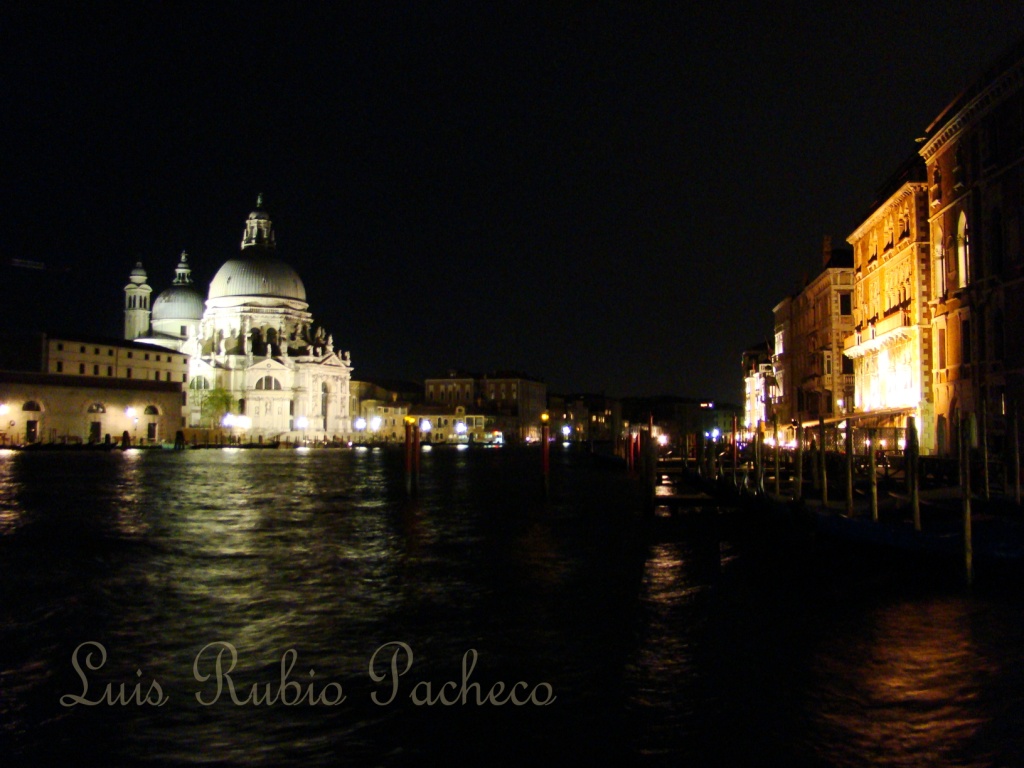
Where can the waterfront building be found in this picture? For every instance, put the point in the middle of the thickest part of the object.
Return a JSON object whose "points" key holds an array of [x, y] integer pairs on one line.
{"points": [[456, 425], [973, 152], [80, 354], [515, 400], [379, 409], [890, 346], [76, 409], [253, 338], [810, 330], [760, 388]]}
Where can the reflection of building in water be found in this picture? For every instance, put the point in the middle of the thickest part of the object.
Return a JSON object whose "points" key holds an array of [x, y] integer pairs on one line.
{"points": [[253, 337]]}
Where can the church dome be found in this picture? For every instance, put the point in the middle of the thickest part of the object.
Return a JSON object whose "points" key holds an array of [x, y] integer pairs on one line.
{"points": [[263, 276], [179, 302]]}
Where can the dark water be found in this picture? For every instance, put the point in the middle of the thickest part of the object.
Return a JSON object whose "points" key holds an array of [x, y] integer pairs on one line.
{"points": [[712, 642]]}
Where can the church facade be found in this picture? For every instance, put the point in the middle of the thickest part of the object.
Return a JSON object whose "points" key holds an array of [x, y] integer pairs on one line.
{"points": [[253, 338]]}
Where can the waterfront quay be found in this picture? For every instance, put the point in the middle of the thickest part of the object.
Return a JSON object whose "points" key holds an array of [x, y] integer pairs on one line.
{"points": [[711, 638]]}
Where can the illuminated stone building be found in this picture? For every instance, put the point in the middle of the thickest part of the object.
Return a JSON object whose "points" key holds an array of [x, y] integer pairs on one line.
{"points": [[973, 152], [891, 341], [515, 400], [253, 337], [815, 379], [760, 390], [82, 409]]}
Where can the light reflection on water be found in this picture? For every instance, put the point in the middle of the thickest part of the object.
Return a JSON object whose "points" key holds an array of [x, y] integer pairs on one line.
{"points": [[687, 643]]}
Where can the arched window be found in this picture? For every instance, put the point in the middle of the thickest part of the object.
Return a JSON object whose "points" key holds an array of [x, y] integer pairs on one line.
{"points": [[963, 252], [151, 410], [268, 382], [199, 382], [324, 392], [31, 405], [97, 408]]}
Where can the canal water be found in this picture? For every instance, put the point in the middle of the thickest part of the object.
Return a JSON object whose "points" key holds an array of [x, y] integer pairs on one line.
{"points": [[715, 640]]}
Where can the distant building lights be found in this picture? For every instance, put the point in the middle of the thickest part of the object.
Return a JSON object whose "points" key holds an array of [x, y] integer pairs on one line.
{"points": [[301, 422], [662, 439], [360, 424], [566, 430], [715, 433], [460, 427], [426, 426], [375, 423]]}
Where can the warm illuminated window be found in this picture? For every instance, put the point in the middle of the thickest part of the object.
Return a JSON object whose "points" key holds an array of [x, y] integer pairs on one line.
{"points": [[939, 266], [963, 254]]}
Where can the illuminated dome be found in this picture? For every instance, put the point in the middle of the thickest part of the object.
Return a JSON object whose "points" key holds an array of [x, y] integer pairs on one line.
{"points": [[257, 272], [179, 302], [262, 276]]}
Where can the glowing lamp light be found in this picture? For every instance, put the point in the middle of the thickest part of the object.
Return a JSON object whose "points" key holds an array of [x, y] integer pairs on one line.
{"points": [[4, 409], [228, 420], [130, 412], [662, 439], [544, 417], [243, 422], [360, 424], [426, 426], [566, 430], [375, 423], [460, 427], [902, 444], [715, 433], [302, 422]]}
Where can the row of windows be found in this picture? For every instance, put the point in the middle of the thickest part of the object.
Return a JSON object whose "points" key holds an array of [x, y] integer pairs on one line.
{"points": [[110, 371], [110, 353]]}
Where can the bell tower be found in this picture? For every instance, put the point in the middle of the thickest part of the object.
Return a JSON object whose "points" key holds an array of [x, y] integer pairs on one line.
{"points": [[136, 304]]}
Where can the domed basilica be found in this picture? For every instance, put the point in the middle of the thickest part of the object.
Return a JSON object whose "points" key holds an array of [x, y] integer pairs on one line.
{"points": [[252, 336]]}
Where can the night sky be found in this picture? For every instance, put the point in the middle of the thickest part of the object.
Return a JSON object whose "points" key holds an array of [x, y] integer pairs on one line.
{"points": [[611, 197]]}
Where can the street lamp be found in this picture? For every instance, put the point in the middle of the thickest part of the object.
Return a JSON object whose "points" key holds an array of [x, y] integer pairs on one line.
{"points": [[301, 423]]}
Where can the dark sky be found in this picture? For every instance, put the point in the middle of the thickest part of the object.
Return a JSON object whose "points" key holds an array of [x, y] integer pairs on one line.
{"points": [[611, 197]]}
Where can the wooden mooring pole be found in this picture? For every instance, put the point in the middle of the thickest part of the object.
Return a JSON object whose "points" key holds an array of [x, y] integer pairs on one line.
{"points": [[913, 470], [777, 449], [798, 482], [1016, 455], [735, 452], [824, 466], [983, 437], [873, 475], [849, 467], [965, 469]]}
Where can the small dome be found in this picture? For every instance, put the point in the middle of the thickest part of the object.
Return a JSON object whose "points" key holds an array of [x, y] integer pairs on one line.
{"points": [[138, 274], [179, 302], [263, 276]]}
